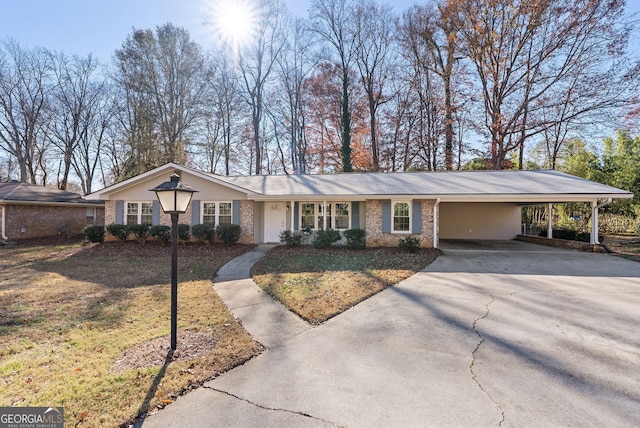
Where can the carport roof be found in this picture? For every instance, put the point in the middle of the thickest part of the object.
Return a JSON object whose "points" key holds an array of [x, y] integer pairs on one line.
{"points": [[455, 186]]}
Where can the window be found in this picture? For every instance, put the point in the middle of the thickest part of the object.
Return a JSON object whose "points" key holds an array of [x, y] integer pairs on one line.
{"points": [[216, 213], [325, 215], [307, 213], [139, 213], [401, 217], [209, 213], [341, 216], [225, 213], [90, 215]]}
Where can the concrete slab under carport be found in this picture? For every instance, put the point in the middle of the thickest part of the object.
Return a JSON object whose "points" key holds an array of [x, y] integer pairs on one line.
{"points": [[493, 245]]}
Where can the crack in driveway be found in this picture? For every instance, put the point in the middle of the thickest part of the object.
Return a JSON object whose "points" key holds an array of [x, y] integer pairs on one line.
{"points": [[306, 415], [474, 376]]}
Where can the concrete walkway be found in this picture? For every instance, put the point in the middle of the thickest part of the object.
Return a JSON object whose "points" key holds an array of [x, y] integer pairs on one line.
{"points": [[520, 335], [266, 319]]}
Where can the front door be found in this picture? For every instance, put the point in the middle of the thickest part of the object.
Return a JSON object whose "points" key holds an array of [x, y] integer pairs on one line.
{"points": [[275, 220]]}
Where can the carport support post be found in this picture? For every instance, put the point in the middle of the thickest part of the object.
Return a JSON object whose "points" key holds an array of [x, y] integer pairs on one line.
{"points": [[595, 206], [550, 225]]}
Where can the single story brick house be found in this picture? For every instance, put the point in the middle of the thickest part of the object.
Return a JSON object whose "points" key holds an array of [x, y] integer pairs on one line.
{"points": [[389, 206], [30, 211]]}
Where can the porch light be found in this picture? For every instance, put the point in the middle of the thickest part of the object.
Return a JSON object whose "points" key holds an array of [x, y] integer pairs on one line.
{"points": [[174, 197]]}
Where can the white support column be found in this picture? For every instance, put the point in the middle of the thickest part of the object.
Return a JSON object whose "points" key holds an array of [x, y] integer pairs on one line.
{"points": [[593, 239], [292, 205], [550, 225], [436, 218]]}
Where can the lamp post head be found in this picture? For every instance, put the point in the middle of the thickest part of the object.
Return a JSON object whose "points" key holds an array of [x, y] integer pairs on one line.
{"points": [[174, 196]]}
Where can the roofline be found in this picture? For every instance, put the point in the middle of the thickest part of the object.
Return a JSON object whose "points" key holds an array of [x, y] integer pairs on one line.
{"points": [[52, 204], [130, 182], [515, 198]]}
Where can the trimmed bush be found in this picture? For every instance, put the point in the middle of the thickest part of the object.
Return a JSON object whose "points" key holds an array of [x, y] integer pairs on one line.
{"points": [[183, 232], [161, 232], [326, 238], [94, 233], [229, 234], [204, 232], [356, 238], [290, 239], [410, 244], [118, 231], [140, 231]]}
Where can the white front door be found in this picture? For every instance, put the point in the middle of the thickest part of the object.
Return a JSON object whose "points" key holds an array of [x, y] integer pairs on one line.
{"points": [[275, 220]]}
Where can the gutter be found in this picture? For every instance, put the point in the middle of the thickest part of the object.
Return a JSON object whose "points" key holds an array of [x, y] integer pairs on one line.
{"points": [[436, 216]]}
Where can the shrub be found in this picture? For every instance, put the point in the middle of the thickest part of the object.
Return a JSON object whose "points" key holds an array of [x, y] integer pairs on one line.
{"points": [[94, 233], [118, 231], [356, 238], [326, 238], [410, 244], [140, 231], [567, 234], [228, 233], [161, 232], [204, 232], [290, 239], [183, 232]]}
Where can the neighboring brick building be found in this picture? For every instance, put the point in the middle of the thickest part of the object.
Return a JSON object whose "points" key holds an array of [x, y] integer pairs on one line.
{"points": [[30, 211]]}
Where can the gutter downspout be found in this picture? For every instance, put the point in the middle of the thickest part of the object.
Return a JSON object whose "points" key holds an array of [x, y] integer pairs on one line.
{"points": [[594, 220], [4, 237], [436, 216], [550, 223]]}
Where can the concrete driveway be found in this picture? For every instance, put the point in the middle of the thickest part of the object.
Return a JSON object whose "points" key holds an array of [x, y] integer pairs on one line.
{"points": [[512, 334]]}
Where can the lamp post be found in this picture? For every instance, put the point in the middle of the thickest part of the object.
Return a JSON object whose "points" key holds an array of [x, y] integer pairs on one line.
{"points": [[174, 197]]}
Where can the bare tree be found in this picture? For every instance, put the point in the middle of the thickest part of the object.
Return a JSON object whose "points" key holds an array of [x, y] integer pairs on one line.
{"points": [[24, 94], [331, 22], [78, 105], [374, 35], [256, 62], [523, 50], [295, 64]]}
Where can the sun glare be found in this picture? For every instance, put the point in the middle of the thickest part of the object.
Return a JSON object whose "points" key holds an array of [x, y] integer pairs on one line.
{"points": [[235, 20]]}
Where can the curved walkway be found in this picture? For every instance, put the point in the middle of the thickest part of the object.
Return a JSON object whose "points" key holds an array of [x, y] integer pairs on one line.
{"points": [[266, 319]]}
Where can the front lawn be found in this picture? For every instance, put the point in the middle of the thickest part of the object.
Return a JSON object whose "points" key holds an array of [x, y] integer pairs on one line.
{"points": [[319, 284], [78, 323]]}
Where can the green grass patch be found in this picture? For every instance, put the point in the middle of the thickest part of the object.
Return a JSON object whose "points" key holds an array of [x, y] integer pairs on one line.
{"points": [[71, 312], [319, 284]]}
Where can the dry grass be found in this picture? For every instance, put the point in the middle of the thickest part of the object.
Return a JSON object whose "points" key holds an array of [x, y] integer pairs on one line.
{"points": [[319, 284], [627, 246], [70, 311]]}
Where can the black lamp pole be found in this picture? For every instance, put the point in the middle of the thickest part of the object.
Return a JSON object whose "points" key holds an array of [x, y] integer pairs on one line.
{"points": [[174, 281], [174, 197]]}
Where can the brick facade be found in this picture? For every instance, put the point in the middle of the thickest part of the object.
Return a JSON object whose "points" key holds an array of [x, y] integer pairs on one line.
{"points": [[246, 219], [377, 238], [36, 221], [246, 222]]}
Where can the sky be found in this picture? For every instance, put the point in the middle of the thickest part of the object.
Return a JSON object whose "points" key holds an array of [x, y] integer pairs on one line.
{"points": [[80, 27], [99, 27]]}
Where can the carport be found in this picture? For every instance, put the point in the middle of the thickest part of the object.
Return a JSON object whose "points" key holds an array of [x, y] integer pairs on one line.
{"points": [[492, 209]]}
